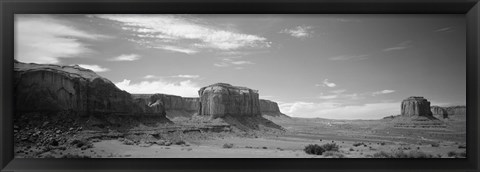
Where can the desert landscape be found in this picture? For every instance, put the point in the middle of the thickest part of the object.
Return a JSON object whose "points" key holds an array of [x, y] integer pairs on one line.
{"points": [[66, 111]]}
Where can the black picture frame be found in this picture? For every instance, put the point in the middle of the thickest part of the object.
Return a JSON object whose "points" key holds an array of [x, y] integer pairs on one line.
{"points": [[469, 8]]}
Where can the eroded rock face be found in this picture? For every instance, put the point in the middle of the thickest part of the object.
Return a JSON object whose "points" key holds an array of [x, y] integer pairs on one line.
{"points": [[219, 100], [268, 106], [416, 106], [170, 102], [439, 112], [54, 88], [456, 110]]}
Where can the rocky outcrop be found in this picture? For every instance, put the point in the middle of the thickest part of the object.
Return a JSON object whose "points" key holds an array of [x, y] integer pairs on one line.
{"points": [[270, 108], [416, 106], [439, 112], [169, 102], [219, 100], [54, 88], [456, 110], [174, 106]]}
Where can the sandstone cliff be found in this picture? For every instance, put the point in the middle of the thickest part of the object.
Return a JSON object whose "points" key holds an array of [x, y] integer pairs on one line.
{"points": [[449, 112], [456, 110], [416, 106], [174, 106], [54, 88], [270, 108], [219, 100], [439, 112]]}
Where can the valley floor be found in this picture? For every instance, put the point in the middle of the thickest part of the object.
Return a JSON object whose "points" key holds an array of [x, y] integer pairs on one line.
{"points": [[355, 139]]}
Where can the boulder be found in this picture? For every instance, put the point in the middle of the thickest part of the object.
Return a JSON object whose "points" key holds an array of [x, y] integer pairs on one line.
{"points": [[55, 88], [439, 112], [416, 106], [221, 99]]}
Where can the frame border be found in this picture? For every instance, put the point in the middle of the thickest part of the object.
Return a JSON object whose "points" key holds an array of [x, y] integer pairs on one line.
{"points": [[469, 8]]}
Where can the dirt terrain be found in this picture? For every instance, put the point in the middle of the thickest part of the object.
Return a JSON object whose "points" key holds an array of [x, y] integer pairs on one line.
{"points": [[219, 139]]}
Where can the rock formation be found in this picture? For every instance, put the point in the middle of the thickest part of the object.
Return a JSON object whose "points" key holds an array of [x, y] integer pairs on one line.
{"points": [[456, 110], [54, 88], [416, 106], [439, 112], [270, 108], [174, 106], [416, 113], [219, 100]]}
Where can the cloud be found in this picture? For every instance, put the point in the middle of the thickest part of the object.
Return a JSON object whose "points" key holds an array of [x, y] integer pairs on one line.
{"points": [[382, 92], [299, 31], [175, 30], [183, 88], [95, 68], [186, 76], [178, 49], [338, 91], [230, 61], [43, 39], [325, 83], [126, 57], [445, 29], [333, 110], [400, 46], [352, 57], [150, 76], [241, 62], [326, 97]]}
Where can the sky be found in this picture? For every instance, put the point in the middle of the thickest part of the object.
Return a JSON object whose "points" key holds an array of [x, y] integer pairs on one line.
{"points": [[325, 66]]}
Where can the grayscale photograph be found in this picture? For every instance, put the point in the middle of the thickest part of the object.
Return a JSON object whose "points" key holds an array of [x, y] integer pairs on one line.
{"points": [[239, 86]]}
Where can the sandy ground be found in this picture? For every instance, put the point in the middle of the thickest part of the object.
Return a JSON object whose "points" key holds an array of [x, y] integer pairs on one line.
{"points": [[356, 139]]}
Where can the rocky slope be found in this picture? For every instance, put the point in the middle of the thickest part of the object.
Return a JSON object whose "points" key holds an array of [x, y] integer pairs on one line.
{"points": [[54, 88], [219, 100]]}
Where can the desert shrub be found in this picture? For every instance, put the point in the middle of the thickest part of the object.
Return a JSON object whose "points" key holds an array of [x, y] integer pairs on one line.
{"points": [[456, 154], [319, 150], [435, 145], [333, 154], [314, 149], [228, 145], [357, 144], [419, 154], [128, 142], [330, 147], [402, 154], [383, 143], [351, 149], [451, 154], [81, 143], [180, 142]]}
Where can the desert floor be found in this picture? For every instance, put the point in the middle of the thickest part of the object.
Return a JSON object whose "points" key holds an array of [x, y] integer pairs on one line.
{"points": [[355, 138]]}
